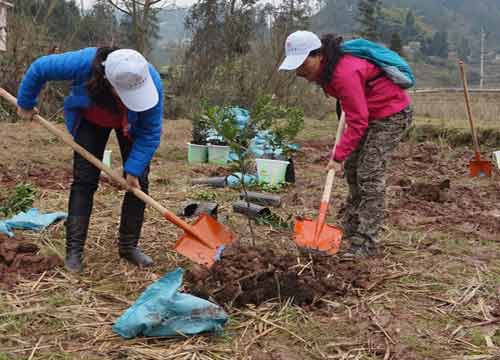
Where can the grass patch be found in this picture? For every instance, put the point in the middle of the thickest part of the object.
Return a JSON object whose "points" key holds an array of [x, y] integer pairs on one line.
{"points": [[203, 195], [20, 199]]}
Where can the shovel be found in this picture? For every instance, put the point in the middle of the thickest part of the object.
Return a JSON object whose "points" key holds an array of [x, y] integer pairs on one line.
{"points": [[477, 167], [315, 234], [202, 242]]}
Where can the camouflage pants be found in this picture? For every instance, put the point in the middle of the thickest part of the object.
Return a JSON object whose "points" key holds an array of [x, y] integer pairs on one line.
{"points": [[365, 173]]}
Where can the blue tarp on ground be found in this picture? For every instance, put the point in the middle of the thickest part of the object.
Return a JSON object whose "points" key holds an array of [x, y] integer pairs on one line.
{"points": [[30, 220], [162, 310]]}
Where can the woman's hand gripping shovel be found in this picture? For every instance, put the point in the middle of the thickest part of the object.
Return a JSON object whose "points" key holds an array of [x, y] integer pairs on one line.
{"points": [[315, 234], [202, 242]]}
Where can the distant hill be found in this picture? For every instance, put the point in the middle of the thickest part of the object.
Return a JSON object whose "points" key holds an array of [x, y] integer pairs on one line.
{"points": [[460, 18]]}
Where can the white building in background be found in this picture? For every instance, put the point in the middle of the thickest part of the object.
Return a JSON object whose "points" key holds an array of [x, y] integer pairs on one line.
{"points": [[3, 24]]}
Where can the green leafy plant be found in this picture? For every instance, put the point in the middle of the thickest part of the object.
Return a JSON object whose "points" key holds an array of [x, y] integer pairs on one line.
{"points": [[21, 200], [283, 123], [200, 127], [203, 195], [275, 188]]}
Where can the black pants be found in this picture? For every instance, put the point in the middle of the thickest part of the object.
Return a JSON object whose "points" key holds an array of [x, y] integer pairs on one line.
{"points": [[86, 177]]}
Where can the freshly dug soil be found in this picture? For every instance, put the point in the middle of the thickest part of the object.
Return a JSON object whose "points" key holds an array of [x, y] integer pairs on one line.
{"points": [[20, 258], [442, 198], [253, 275]]}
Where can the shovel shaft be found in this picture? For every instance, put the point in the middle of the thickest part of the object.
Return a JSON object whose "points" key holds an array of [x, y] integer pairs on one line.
{"points": [[468, 107], [65, 137], [331, 173], [327, 192]]}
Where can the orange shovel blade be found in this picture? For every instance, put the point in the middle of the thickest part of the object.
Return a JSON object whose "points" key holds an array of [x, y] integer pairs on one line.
{"points": [[214, 233], [329, 238], [480, 168]]}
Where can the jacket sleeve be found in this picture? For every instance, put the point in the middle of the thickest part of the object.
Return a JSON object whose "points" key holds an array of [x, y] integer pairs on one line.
{"points": [[350, 88], [147, 134], [65, 66]]}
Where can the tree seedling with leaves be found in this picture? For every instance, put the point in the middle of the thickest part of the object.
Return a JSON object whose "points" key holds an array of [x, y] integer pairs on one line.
{"points": [[283, 124], [199, 130], [238, 138]]}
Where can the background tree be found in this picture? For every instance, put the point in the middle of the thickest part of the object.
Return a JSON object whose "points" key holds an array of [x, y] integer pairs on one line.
{"points": [[100, 25], [368, 19], [140, 22], [396, 44], [463, 48], [410, 31], [440, 44]]}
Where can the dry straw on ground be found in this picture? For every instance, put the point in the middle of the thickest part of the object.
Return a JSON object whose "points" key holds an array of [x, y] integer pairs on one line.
{"points": [[433, 295]]}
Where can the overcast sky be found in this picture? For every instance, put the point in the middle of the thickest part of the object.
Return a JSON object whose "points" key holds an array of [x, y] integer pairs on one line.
{"points": [[88, 3]]}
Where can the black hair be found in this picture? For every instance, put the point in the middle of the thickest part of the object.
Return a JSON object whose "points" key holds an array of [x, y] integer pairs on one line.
{"points": [[332, 52], [99, 88]]}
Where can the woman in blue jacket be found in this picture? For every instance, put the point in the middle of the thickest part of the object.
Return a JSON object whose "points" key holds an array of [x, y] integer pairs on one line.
{"points": [[111, 89]]}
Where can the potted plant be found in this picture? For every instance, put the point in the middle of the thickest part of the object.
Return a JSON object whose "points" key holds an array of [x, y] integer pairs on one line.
{"points": [[197, 148], [280, 126], [218, 147]]}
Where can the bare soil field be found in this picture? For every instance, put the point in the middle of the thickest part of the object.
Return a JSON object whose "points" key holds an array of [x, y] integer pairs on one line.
{"points": [[433, 292]]}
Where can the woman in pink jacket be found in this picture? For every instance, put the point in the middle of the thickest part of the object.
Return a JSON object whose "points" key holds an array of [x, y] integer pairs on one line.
{"points": [[377, 113]]}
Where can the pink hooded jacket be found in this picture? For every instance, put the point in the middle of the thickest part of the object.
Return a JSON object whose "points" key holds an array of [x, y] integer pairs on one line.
{"points": [[362, 100]]}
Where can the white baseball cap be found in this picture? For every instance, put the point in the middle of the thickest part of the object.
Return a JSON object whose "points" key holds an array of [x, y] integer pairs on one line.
{"points": [[298, 45], [128, 72]]}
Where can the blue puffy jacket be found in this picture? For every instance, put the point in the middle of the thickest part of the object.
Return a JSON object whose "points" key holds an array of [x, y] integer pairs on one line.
{"points": [[145, 126]]}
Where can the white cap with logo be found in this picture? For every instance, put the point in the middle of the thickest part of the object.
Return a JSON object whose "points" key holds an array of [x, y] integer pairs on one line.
{"points": [[298, 45], [128, 72]]}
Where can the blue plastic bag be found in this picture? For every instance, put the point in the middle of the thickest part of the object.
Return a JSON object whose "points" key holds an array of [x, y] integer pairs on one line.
{"points": [[30, 220], [234, 179], [163, 311]]}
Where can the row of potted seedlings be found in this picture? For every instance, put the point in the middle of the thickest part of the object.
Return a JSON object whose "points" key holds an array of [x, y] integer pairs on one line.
{"points": [[272, 130]]}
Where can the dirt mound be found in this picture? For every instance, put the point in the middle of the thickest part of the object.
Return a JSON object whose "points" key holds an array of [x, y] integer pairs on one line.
{"points": [[20, 258], [252, 276]]}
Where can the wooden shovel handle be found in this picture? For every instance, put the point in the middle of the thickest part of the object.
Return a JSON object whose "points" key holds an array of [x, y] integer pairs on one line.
{"points": [[331, 173], [65, 137], [468, 107]]}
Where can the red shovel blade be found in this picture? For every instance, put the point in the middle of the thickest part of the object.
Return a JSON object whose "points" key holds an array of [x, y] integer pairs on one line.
{"points": [[214, 234], [480, 168]]}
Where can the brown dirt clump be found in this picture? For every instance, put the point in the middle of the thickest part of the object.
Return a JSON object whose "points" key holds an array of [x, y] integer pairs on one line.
{"points": [[247, 275], [20, 258]]}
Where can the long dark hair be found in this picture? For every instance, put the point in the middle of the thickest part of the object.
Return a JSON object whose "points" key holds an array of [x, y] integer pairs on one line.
{"points": [[99, 89], [332, 52]]}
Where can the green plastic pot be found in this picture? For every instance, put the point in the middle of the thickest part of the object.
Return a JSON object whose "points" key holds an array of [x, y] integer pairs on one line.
{"points": [[271, 172], [218, 154], [197, 154]]}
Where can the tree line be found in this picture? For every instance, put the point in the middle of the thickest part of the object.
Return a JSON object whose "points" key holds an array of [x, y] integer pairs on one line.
{"points": [[230, 58]]}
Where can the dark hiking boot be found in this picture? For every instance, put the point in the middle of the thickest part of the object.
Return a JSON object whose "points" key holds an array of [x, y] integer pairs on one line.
{"points": [[130, 252], [76, 234]]}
